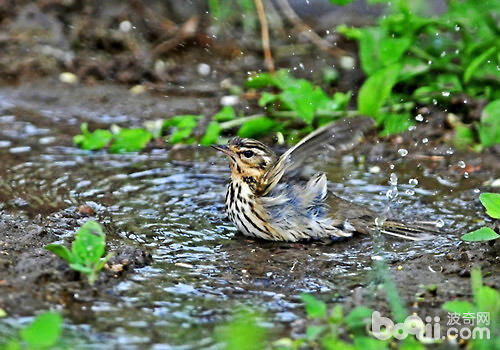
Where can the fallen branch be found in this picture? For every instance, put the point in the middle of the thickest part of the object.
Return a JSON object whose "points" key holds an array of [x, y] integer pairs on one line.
{"points": [[265, 36], [307, 31]]}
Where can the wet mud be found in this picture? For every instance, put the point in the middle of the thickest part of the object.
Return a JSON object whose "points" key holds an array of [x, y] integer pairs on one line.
{"points": [[180, 267]]}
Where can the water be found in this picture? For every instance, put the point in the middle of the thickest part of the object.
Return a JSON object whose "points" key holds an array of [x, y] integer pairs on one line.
{"points": [[171, 203]]}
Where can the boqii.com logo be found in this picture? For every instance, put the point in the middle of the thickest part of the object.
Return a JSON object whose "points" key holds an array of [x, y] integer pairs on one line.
{"points": [[466, 326]]}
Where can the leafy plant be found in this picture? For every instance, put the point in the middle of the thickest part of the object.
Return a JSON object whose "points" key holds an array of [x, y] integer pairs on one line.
{"points": [[92, 140], [43, 333], [243, 332], [485, 300], [126, 140], [430, 59], [491, 201], [86, 252]]}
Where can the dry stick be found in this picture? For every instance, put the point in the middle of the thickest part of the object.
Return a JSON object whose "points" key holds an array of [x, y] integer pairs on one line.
{"points": [[307, 31], [265, 36]]}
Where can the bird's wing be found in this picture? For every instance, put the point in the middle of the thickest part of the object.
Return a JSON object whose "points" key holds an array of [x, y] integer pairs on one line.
{"points": [[339, 134]]}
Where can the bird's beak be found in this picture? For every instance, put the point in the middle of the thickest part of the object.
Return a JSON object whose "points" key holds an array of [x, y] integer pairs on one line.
{"points": [[224, 149]]}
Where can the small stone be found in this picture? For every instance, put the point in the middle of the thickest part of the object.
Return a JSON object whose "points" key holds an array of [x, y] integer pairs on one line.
{"points": [[137, 89], [68, 78]]}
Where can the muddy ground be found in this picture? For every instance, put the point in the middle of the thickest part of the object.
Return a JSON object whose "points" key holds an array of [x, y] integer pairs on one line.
{"points": [[51, 188], [180, 267]]}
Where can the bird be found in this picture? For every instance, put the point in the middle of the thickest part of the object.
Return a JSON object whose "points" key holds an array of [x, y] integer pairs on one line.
{"points": [[263, 203]]}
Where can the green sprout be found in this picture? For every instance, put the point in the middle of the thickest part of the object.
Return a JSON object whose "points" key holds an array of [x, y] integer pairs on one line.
{"points": [[485, 300], [86, 252], [43, 333], [491, 201]]}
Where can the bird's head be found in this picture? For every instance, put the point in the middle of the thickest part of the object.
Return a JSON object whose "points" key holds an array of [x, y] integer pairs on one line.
{"points": [[248, 159]]}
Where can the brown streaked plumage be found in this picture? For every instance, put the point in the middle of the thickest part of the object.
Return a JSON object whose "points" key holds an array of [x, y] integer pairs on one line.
{"points": [[260, 205]]}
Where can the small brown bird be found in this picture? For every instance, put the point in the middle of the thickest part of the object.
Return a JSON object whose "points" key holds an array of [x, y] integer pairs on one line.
{"points": [[262, 206]]}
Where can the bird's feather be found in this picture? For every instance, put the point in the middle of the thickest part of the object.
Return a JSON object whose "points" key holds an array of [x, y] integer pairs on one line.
{"points": [[339, 134]]}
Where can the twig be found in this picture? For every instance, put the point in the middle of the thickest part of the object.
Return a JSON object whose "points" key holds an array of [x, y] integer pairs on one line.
{"points": [[310, 34], [265, 36]]}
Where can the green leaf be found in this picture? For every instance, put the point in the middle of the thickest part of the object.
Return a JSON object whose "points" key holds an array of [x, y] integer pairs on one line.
{"points": [[60, 251], [488, 300], [480, 235], [474, 65], [376, 90], [44, 332], [225, 114], [491, 201], [243, 332], [340, 2], [411, 344], [89, 244], [489, 126], [79, 267], [182, 125], [464, 137], [392, 49], [358, 318], [333, 343], [315, 308], [394, 123], [350, 33], [184, 121], [313, 331], [259, 81], [458, 306], [368, 49], [130, 140], [304, 98], [267, 98], [180, 135], [363, 343], [336, 315], [92, 140], [103, 261], [211, 134], [12, 345], [256, 127]]}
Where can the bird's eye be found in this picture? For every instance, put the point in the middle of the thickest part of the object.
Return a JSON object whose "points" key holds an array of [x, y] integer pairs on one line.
{"points": [[248, 154]]}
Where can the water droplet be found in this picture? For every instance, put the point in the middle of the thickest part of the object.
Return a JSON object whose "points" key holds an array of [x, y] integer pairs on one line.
{"points": [[466, 175], [392, 193], [402, 152], [413, 182], [419, 118], [450, 151], [445, 93], [425, 140], [393, 179], [410, 192], [439, 223], [461, 164], [203, 69], [457, 27]]}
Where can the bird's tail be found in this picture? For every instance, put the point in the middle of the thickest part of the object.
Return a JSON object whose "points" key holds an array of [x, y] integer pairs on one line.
{"points": [[416, 231]]}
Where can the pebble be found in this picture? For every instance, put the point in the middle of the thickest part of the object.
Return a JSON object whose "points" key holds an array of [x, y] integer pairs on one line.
{"points": [[68, 78]]}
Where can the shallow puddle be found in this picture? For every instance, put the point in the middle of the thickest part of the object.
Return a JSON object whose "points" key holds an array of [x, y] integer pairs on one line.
{"points": [[171, 203]]}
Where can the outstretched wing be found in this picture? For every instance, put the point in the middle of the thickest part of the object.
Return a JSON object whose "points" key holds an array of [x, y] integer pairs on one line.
{"points": [[340, 134]]}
